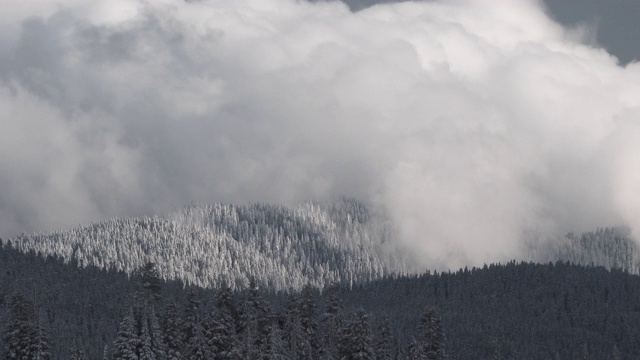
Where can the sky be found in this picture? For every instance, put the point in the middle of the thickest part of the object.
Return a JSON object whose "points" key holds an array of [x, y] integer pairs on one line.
{"points": [[480, 128]]}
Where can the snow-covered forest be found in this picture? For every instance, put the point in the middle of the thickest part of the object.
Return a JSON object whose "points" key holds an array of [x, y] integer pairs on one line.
{"points": [[282, 247], [509, 311], [315, 281]]}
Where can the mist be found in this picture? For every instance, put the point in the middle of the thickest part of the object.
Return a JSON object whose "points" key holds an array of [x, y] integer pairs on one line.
{"points": [[479, 128]]}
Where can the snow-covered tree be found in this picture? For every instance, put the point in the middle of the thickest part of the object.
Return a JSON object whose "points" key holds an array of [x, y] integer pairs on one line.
{"points": [[431, 335], [355, 342]]}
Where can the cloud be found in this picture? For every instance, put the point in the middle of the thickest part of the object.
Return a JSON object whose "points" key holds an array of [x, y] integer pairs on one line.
{"points": [[479, 127]]}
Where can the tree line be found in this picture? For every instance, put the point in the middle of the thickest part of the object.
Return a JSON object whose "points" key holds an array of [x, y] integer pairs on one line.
{"points": [[251, 329]]}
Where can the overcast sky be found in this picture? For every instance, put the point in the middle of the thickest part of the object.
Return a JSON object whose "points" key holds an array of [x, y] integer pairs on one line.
{"points": [[479, 127], [615, 23]]}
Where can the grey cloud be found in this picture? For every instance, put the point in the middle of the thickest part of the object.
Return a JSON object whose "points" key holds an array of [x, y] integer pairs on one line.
{"points": [[478, 127]]}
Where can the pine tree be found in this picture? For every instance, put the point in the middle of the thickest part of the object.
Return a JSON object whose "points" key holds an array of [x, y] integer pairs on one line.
{"points": [[40, 345], [331, 324], [356, 338], [197, 347], [195, 343], [275, 348], [221, 335], [306, 308], [416, 351], [77, 353], [253, 321], [191, 317], [383, 343], [295, 338], [431, 335], [151, 344], [126, 343], [25, 338], [171, 328]]}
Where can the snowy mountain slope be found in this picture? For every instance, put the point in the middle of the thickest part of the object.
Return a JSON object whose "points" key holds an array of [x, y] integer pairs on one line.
{"points": [[612, 248], [206, 245]]}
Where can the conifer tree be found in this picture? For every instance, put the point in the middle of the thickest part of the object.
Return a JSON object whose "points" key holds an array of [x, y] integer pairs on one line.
{"points": [[196, 347], [40, 343], [191, 316], [306, 306], [126, 343], [331, 324], [275, 348], [431, 335], [356, 338], [77, 353], [416, 351], [295, 338], [253, 320], [221, 328], [171, 329], [383, 343], [25, 338]]}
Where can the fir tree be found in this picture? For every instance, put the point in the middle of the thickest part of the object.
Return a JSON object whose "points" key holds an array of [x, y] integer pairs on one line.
{"points": [[126, 343], [197, 347], [275, 348], [431, 335], [295, 338], [383, 343], [171, 329], [331, 323], [40, 343], [253, 321], [356, 338], [25, 338], [77, 353], [306, 308]]}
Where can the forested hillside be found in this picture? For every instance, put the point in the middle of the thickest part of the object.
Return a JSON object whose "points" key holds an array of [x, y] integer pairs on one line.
{"points": [[206, 245], [283, 247], [511, 311], [612, 248]]}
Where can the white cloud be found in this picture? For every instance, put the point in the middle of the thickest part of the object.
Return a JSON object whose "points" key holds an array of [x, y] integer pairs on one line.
{"points": [[478, 126]]}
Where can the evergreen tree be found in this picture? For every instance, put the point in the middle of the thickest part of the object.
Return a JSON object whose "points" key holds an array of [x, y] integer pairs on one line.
{"points": [[196, 346], [77, 353], [416, 351], [306, 309], [431, 335], [383, 343], [151, 344], [171, 329], [221, 328], [275, 348], [294, 334], [331, 324], [356, 338], [195, 343], [40, 343], [151, 282], [25, 338], [221, 335], [253, 320], [126, 343]]}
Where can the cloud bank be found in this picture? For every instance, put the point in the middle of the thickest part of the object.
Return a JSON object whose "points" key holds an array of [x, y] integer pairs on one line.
{"points": [[479, 127]]}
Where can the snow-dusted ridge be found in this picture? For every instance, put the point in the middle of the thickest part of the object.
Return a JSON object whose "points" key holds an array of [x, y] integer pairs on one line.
{"points": [[205, 245]]}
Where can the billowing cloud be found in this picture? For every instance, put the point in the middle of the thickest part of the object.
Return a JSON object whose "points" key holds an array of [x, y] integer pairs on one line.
{"points": [[479, 127]]}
